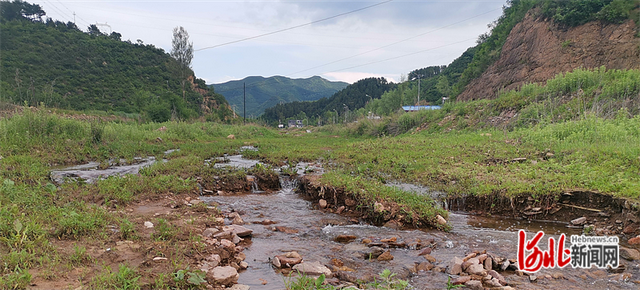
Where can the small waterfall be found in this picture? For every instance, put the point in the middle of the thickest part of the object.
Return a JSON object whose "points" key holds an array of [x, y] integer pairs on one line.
{"points": [[287, 183], [254, 184]]}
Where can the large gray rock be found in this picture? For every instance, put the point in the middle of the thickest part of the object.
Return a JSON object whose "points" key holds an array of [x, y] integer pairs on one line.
{"points": [[312, 268], [224, 275]]}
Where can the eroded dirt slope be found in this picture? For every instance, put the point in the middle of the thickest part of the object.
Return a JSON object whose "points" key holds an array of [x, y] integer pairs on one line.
{"points": [[537, 50]]}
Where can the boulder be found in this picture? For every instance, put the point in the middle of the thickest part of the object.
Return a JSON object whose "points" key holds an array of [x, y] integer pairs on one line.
{"points": [[312, 268], [488, 264], [322, 203], [289, 261], [441, 221], [224, 275], [276, 262]]}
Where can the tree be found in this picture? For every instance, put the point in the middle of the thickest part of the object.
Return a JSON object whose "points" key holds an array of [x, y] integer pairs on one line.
{"points": [[182, 51]]}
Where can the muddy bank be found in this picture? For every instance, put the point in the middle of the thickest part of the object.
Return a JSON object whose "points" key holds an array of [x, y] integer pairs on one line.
{"points": [[380, 213], [602, 214]]}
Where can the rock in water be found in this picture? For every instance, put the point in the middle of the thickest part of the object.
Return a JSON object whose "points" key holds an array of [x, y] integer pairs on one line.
{"points": [[386, 256], [579, 221], [312, 268], [629, 254]]}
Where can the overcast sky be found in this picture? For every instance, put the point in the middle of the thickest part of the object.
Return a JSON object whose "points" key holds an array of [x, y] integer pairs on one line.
{"points": [[389, 39]]}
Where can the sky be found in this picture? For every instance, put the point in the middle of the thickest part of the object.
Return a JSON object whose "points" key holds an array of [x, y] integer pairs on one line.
{"points": [[338, 40]]}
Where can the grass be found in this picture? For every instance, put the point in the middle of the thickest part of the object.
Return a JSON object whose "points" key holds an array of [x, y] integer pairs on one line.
{"points": [[580, 130]]}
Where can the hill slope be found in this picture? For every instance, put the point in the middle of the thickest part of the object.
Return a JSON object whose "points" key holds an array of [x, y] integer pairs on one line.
{"points": [[264, 93], [349, 99], [537, 50], [56, 64]]}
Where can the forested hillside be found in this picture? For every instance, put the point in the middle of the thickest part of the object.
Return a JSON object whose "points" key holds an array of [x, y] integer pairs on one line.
{"points": [[262, 93], [351, 98], [51, 63]]}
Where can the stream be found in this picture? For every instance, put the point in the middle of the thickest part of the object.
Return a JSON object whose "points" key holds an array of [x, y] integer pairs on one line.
{"points": [[311, 233]]}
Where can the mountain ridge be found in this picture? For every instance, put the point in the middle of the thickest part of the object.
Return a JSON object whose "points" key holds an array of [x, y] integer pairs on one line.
{"points": [[266, 92]]}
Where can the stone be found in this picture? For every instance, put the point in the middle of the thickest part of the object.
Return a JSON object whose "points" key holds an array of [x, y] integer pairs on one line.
{"points": [[426, 251], [389, 240], [276, 262], [634, 241], [455, 266], [227, 244], [340, 209], [344, 238], [488, 264], [240, 287], [228, 234], [226, 275], [239, 230], [373, 253], [505, 265], [497, 275], [322, 203], [366, 241], [430, 258], [208, 232], [312, 268], [286, 230], [579, 221], [472, 255], [472, 261], [386, 256], [441, 221], [481, 258], [148, 224], [237, 220], [159, 259], [244, 265], [235, 239], [349, 202], [461, 280], [378, 207], [231, 136], [493, 283], [533, 278], [630, 229], [289, 261], [474, 285], [476, 269], [424, 266], [629, 254]]}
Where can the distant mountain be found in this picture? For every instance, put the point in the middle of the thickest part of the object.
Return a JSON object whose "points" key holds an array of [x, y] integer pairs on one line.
{"points": [[263, 93]]}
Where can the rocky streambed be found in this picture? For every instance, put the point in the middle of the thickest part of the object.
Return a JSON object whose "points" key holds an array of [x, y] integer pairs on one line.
{"points": [[280, 228]]}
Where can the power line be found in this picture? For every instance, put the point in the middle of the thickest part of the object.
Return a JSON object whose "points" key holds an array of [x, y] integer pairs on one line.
{"points": [[58, 10], [294, 27], [74, 14]]}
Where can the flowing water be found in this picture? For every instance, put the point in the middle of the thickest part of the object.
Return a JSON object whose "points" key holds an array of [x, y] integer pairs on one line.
{"points": [[311, 233]]}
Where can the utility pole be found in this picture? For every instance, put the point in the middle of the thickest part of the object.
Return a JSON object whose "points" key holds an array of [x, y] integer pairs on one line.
{"points": [[74, 17], [418, 91], [244, 98]]}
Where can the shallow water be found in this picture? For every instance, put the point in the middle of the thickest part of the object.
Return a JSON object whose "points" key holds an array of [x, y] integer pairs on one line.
{"points": [[317, 229]]}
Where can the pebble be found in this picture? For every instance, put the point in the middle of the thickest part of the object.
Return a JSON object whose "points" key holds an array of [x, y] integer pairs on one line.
{"points": [[148, 224]]}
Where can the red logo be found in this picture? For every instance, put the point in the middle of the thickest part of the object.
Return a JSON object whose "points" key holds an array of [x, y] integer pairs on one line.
{"points": [[537, 258]]}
